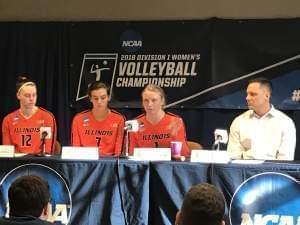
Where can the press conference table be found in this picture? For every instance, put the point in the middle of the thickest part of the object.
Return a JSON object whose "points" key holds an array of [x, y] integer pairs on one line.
{"points": [[107, 191]]}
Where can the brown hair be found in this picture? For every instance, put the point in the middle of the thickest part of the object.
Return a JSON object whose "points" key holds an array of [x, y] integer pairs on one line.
{"points": [[205, 203], [28, 195], [97, 85], [263, 82]]}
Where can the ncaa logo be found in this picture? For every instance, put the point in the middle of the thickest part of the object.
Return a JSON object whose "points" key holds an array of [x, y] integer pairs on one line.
{"points": [[96, 67], [266, 199], [61, 201], [131, 41]]}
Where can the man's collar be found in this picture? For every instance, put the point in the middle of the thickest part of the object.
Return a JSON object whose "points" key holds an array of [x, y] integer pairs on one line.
{"points": [[270, 113]]}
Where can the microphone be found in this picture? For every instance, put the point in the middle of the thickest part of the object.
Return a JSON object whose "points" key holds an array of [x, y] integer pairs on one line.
{"points": [[221, 136], [132, 126], [45, 133]]}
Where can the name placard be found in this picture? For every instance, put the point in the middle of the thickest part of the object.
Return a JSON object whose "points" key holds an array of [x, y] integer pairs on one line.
{"points": [[152, 154], [209, 156], [80, 153], [7, 151]]}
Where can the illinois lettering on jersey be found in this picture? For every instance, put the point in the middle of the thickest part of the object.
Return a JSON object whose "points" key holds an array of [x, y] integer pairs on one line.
{"points": [[169, 128], [106, 134], [24, 133]]}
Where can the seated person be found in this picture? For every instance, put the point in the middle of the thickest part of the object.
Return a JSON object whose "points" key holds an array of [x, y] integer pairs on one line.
{"points": [[202, 204], [157, 127], [262, 132], [29, 198], [100, 126], [22, 128]]}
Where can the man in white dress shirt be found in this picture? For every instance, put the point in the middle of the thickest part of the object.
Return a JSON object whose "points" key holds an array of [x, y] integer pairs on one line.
{"points": [[262, 132]]}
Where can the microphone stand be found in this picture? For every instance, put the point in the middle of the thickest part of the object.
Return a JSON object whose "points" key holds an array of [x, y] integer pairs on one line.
{"points": [[44, 135], [127, 144], [42, 152], [125, 155], [43, 147], [216, 145], [130, 125]]}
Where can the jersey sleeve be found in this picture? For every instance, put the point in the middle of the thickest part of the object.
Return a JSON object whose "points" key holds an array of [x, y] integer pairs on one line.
{"points": [[120, 137], [50, 143], [6, 140], [75, 138]]}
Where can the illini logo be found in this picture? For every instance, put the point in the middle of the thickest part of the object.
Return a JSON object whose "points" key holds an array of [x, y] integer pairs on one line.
{"points": [[61, 201], [266, 199]]}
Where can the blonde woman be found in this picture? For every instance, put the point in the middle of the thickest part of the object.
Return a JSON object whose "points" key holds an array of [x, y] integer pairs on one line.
{"points": [[157, 127], [22, 127]]}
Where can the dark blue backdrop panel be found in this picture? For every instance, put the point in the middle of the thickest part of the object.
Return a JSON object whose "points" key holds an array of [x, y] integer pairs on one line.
{"points": [[150, 193], [229, 177], [97, 187], [170, 180], [134, 178], [168, 184]]}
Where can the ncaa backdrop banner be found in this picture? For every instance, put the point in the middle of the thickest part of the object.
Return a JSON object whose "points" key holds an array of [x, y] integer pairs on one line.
{"points": [[61, 200], [266, 198], [203, 64], [259, 194], [129, 55], [246, 49], [94, 192]]}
